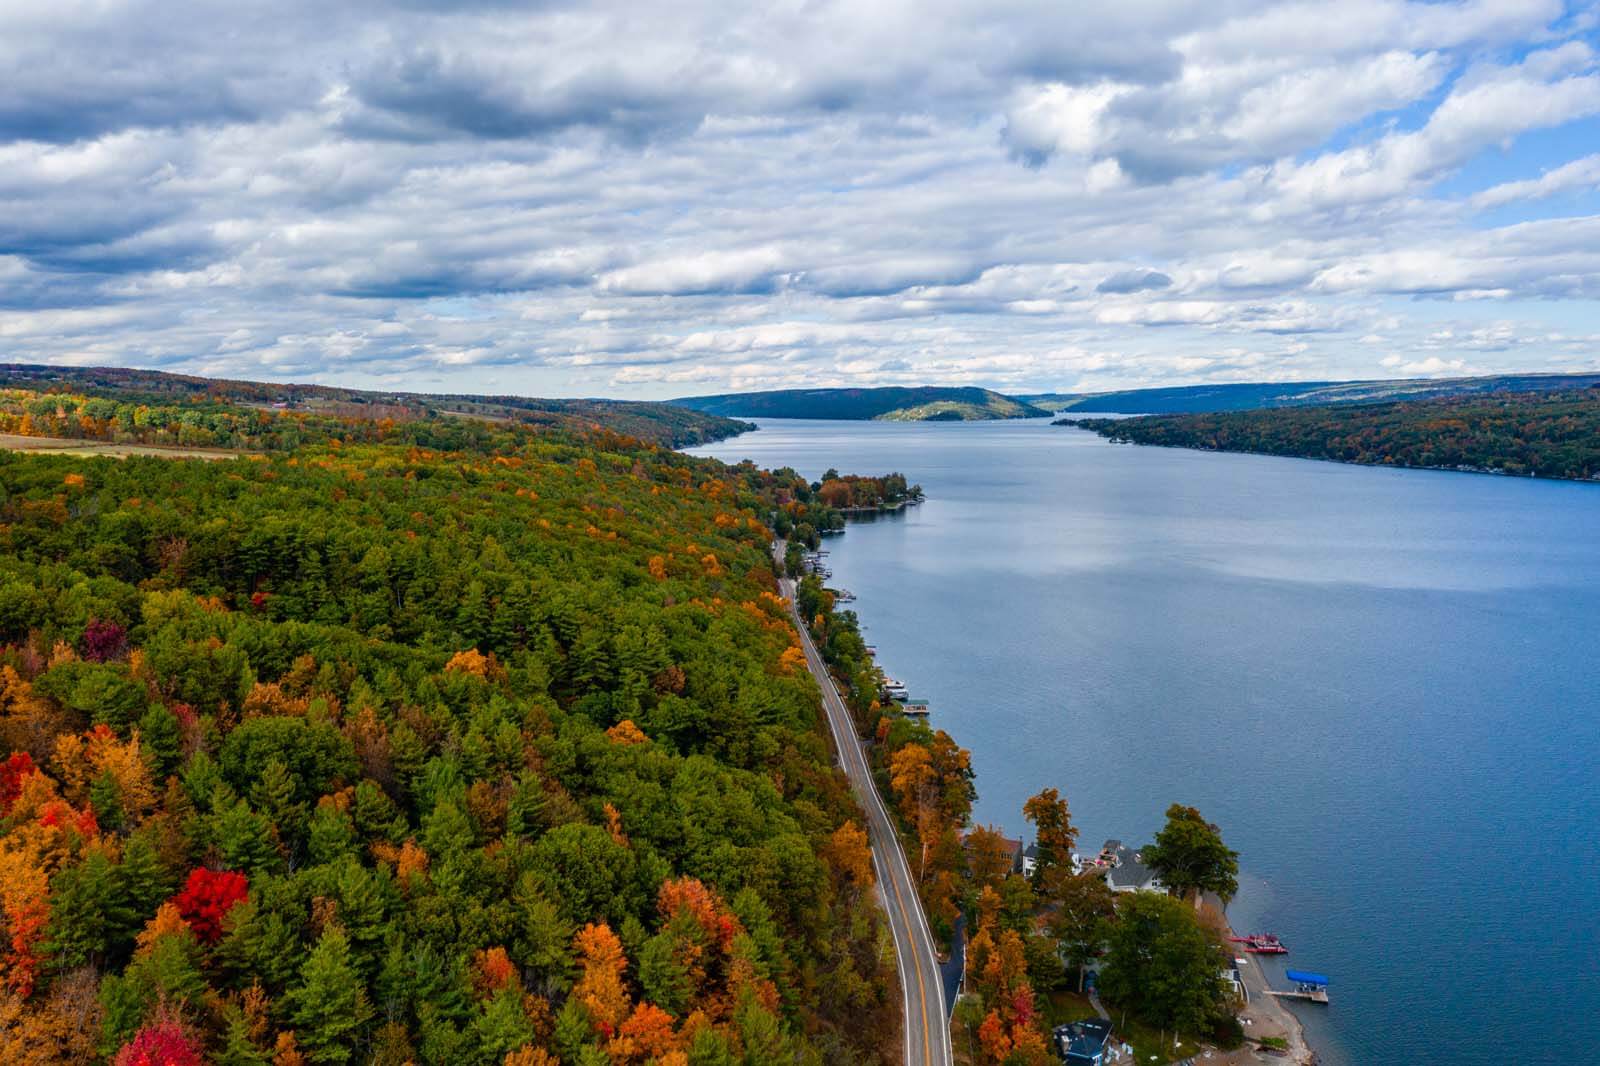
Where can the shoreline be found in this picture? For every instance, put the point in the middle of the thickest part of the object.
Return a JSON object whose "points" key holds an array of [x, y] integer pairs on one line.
{"points": [[1267, 1015], [1483, 470]]}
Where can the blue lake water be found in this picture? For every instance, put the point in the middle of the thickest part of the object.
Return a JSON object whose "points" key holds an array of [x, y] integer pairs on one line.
{"points": [[1384, 685]]}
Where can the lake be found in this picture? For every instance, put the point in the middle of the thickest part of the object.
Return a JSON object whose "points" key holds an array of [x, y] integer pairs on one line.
{"points": [[1381, 684]]}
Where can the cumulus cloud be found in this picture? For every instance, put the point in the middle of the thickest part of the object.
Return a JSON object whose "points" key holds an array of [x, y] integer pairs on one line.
{"points": [[580, 197]]}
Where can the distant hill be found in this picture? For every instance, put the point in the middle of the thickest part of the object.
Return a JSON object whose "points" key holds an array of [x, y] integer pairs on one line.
{"points": [[1547, 433], [928, 403], [1192, 399], [658, 423]]}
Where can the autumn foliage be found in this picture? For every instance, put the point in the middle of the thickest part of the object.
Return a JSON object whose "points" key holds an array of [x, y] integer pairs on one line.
{"points": [[161, 1043], [206, 899], [413, 741]]}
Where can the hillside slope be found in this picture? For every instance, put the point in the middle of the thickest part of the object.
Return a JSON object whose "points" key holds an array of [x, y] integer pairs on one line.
{"points": [[929, 403], [1244, 397], [460, 742], [1535, 434], [658, 423]]}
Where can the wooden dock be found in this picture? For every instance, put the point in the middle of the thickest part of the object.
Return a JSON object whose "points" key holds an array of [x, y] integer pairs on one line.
{"points": [[1319, 995]]}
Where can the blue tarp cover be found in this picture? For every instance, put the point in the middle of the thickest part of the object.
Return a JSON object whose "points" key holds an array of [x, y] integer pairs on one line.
{"points": [[1302, 977]]}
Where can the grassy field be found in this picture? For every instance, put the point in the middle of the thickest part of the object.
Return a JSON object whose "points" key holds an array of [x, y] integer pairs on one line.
{"points": [[66, 446]]}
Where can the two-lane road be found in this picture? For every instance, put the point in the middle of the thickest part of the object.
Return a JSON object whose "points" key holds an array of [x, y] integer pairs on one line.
{"points": [[927, 1030]]}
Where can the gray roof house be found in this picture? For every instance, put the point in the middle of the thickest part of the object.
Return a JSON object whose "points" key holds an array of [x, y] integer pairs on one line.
{"points": [[1126, 871]]}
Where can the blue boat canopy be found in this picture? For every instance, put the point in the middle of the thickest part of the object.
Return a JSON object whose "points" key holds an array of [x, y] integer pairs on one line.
{"points": [[1303, 977]]}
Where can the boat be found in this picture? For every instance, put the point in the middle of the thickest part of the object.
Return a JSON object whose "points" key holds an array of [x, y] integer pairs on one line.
{"points": [[914, 708], [1261, 944]]}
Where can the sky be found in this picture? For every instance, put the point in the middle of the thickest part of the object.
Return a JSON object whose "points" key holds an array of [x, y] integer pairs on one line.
{"points": [[653, 200]]}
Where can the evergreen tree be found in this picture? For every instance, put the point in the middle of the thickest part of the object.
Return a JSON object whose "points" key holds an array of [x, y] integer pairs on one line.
{"points": [[106, 800], [88, 913], [142, 881], [245, 840], [543, 940], [238, 1049], [332, 835], [330, 1006], [503, 1025], [574, 1030], [273, 794], [161, 736]]}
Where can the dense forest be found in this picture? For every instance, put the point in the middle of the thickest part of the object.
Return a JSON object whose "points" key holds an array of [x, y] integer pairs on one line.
{"points": [[928, 403], [1539, 434], [214, 412], [465, 743]]}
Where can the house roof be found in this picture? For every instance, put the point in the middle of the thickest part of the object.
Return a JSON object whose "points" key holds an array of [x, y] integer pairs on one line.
{"points": [[1082, 1040], [1130, 870]]}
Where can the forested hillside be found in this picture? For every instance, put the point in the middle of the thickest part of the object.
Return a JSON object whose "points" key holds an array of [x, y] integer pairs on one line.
{"points": [[890, 403], [1191, 399], [105, 403], [429, 741], [1544, 434]]}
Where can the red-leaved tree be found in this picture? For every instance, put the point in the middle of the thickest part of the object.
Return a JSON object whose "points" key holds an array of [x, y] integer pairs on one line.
{"points": [[103, 640], [161, 1043], [12, 771], [207, 897]]}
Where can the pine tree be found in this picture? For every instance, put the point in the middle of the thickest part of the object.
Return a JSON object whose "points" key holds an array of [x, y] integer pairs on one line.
{"points": [[106, 799], [260, 943], [238, 1048], [88, 914], [245, 839], [574, 1030], [544, 939], [142, 881], [162, 737], [330, 1007], [331, 836], [710, 1048], [503, 1025], [360, 896], [273, 795]]}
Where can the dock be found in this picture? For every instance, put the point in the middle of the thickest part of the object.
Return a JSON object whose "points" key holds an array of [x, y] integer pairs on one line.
{"points": [[1312, 987]]}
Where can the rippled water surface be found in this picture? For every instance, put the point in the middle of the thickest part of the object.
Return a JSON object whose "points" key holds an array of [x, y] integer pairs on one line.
{"points": [[1382, 684]]}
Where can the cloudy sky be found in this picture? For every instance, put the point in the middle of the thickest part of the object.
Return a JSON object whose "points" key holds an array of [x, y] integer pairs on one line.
{"points": [[647, 199]]}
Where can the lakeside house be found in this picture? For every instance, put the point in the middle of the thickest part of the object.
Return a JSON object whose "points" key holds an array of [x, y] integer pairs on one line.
{"points": [[1125, 870], [1083, 1043], [1013, 851], [1030, 860]]}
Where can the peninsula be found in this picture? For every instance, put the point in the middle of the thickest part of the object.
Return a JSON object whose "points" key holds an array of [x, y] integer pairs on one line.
{"points": [[890, 404]]}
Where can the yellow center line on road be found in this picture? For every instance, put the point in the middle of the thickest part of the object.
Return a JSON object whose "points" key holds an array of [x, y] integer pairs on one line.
{"points": [[840, 725], [922, 988]]}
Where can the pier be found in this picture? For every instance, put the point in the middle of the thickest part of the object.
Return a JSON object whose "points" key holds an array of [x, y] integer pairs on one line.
{"points": [[1312, 987]]}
